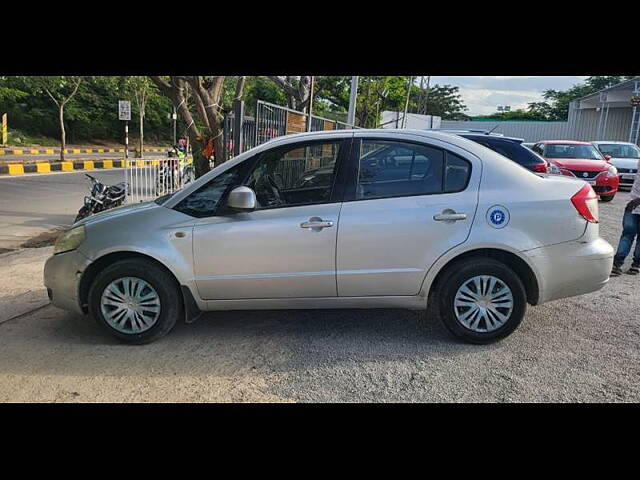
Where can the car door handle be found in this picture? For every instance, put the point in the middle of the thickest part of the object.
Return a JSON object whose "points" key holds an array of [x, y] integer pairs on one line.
{"points": [[316, 223], [449, 216]]}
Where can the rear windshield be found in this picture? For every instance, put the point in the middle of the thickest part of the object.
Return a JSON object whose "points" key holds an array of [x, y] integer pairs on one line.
{"points": [[562, 150], [512, 150], [617, 150]]}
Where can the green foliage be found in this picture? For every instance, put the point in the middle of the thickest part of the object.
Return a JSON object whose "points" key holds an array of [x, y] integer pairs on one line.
{"points": [[92, 115]]}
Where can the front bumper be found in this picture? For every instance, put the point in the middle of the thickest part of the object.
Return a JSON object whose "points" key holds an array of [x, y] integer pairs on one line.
{"points": [[62, 273], [572, 268]]}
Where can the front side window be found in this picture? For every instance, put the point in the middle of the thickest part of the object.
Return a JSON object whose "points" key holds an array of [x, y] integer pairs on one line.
{"points": [[204, 201], [393, 169], [295, 175], [619, 150]]}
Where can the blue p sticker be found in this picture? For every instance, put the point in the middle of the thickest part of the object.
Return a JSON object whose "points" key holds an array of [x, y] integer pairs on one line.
{"points": [[498, 216]]}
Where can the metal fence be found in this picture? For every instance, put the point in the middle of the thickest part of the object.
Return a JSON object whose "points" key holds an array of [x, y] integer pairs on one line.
{"points": [[149, 179]]}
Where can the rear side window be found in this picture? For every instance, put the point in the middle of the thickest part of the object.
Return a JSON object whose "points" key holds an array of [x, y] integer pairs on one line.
{"points": [[457, 173], [396, 169]]}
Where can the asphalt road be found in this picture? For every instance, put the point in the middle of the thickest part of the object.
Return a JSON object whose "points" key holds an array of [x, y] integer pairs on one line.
{"points": [[581, 349], [31, 204]]}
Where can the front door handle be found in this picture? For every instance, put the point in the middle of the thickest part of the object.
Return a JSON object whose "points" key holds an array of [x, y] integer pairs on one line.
{"points": [[316, 224], [449, 215]]}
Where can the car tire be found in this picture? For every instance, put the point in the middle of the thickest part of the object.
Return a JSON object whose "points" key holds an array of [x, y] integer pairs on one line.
{"points": [[607, 198], [459, 278], [151, 281]]}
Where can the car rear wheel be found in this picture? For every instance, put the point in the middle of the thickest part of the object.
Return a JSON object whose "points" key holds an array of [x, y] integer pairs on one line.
{"points": [[135, 300], [607, 198], [481, 300]]}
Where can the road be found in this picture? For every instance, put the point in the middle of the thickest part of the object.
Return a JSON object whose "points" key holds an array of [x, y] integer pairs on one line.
{"points": [[31, 204], [581, 349]]}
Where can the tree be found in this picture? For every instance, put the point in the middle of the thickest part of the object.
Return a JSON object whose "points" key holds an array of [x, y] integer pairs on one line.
{"points": [[61, 90], [297, 90], [140, 88], [198, 100]]}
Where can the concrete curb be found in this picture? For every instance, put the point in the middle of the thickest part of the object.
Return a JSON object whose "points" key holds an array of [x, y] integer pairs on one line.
{"points": [[76, 165], [55, 151], [47, 167]]}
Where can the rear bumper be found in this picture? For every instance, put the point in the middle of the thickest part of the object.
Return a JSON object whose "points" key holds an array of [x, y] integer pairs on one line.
{"points": [[62, 274], [571, 268]]}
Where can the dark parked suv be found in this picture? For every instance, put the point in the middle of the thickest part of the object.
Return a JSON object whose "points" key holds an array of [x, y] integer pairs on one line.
{"points": [[511, 148]]}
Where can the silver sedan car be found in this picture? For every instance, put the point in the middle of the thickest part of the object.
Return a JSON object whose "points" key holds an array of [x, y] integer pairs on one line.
{"points": [[341, 219]]}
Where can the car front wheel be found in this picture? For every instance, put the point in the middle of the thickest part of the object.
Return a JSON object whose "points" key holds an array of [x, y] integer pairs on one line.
{"points": [[481, 300], [135, 300], [608, 198]]}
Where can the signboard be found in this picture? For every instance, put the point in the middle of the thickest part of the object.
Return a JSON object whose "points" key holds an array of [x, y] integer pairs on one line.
{"points": [[4, 129], [124, 110]]}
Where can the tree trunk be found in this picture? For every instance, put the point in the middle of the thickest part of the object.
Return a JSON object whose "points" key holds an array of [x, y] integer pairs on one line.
{"points": [[218, 146], [200, 162], [63, 138]]}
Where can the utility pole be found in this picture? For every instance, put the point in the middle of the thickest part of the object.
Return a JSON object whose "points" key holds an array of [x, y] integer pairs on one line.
{"points": [[426, 96], [351, 116], [310, 108], [406, 105]]}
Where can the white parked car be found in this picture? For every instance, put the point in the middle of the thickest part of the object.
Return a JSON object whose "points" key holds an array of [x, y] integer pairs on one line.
{"points": [[624, 156], [340, 219]]}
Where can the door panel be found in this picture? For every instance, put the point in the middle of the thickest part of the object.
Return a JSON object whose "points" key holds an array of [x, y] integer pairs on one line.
{"points": [[386, 245], [267, 254]]}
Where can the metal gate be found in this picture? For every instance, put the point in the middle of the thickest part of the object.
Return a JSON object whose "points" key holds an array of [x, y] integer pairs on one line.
{"points": [[149, 179]]}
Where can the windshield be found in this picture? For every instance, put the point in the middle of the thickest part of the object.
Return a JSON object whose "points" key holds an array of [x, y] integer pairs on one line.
{"points": [[617, 150], [561, 150]]}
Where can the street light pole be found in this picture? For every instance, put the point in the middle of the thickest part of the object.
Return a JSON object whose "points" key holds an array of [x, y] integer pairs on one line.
{"points": [[351, 116], [175, 117]]}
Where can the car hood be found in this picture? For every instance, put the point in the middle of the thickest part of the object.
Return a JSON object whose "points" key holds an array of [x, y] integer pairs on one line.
{"points": [[625, 162], [580, 164], [116, 212]]}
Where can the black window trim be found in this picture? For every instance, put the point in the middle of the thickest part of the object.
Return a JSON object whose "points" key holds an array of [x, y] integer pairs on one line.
{"points": [[352, 169]]}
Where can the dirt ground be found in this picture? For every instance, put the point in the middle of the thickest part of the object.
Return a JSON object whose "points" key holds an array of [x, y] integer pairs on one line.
{"points": [[581, 349]]}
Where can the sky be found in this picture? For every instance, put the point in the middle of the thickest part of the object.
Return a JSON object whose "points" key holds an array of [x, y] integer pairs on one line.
{"points": [[482, 95]]}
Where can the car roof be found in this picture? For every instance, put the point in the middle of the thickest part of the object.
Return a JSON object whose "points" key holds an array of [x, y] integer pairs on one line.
{"points": [[566, 142], [600, 142]]}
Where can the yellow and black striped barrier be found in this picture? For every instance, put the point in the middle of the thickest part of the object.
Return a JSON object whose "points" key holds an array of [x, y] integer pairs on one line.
{"points": [[56, 151], [75, 165]]}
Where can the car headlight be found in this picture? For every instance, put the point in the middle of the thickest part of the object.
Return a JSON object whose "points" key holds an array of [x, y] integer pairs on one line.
{"points": [[612, 170], [70, 240]]}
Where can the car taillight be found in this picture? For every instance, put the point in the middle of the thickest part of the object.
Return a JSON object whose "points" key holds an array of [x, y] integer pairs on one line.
{"points": [[540, 168], [586, 202]]}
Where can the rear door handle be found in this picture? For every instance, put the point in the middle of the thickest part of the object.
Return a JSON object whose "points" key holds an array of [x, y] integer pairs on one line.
{"points": [[316, 223], [449, 216]]}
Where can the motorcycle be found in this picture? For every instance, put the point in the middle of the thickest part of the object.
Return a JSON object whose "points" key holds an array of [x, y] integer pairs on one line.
{"points": [[102, 197]]}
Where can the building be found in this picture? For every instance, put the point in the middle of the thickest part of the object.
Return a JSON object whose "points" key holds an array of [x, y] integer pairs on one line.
{"points": [[607, 114]]}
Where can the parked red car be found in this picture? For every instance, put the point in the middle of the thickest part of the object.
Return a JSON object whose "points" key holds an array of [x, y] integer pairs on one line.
{"points": [[584, 161]]}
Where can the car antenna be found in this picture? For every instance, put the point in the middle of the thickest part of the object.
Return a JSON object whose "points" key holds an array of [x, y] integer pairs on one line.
{"points": [[491, 131]]}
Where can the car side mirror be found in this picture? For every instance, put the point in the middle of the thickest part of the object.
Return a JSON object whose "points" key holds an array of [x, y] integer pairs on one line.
{"points": [[607, 158], [242, 198]]}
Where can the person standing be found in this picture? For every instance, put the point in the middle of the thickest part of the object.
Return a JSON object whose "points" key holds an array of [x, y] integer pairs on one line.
{"points": [[630, 231]]}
